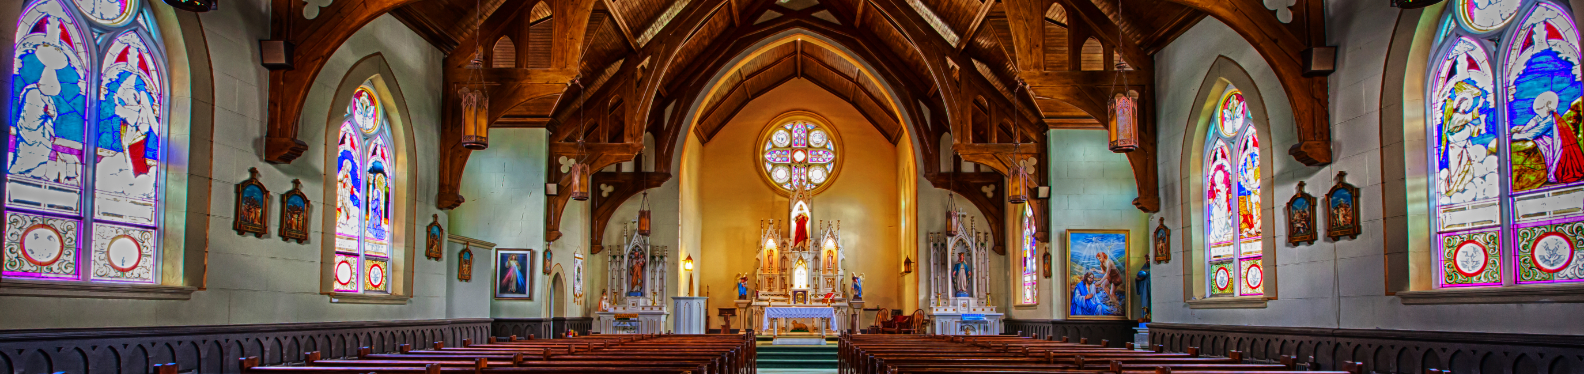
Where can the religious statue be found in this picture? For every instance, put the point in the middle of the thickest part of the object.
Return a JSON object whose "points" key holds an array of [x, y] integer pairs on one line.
{"points": [[830, 260], [1141, 286], [604, 304], [635, 272], [962, 271], [857, 287], [742, 287]]}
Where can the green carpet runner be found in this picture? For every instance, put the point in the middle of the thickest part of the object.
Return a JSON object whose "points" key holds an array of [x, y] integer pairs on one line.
{"points": [[797, 356]]}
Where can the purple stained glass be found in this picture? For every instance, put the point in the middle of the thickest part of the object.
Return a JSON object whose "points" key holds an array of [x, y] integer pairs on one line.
{"points": [[1543, 83], [799, 153], [779, 156], [821, 156], [377, 229]]}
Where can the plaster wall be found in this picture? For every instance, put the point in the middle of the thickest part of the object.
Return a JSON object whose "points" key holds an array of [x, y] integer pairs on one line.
{"points": [[863, 196], [267, 280], [504, 188], [1329, 284]]}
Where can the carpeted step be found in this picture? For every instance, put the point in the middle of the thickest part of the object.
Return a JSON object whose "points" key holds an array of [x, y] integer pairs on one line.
{"points": [[798, 357]]}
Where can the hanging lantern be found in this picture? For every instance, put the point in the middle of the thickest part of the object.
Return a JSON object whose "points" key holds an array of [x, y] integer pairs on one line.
{"points": [[1123, 124], [475, 107], [952, 216], [907, 265], [1017, 193], [643, 216], [580, 188]]}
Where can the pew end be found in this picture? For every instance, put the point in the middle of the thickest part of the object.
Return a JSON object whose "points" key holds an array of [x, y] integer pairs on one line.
{"points": [[310, 357], [404, 348], [512, 338], [248, 363], [1105, 343], [1193, 352], [1162, 370], [364, 352], [517, 359], [1083, 340], [438, 345], [1236, 356], [1160, 348], [432, 369], [1066, 339], [467, 343], [1128, 345], [169, 368], [1291, 362]]}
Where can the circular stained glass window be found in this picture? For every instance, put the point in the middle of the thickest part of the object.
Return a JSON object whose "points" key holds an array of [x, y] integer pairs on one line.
{"points": [[1482, 16], [113, 13], [365, 109], [798, 150]]}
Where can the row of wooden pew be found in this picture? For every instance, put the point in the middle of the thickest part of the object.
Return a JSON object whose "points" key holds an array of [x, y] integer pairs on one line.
{"points": [[919, 354], [596, 354]]}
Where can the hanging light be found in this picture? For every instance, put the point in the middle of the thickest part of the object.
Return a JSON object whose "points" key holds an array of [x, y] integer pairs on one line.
{"points": [[1123, 124], [952, 216], [580, 188], [579, 170], [643, 215], [1017, 192], [474, 99]]}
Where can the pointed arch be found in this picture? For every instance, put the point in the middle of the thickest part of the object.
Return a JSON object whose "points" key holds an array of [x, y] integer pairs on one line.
{"points": [[1092, 55], [382, 244], [504, 53]]}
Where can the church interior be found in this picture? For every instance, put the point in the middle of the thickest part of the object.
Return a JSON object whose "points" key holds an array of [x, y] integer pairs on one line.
{"points": [[792, 186]]}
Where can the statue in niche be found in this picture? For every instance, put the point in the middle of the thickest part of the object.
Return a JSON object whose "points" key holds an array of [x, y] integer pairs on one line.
{"points": [[830, 261], [962, 273], [635, 272]]}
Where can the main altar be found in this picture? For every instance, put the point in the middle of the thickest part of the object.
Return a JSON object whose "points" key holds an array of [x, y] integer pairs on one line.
{"points": [[959, 285], [797, 287], [633, 301]]}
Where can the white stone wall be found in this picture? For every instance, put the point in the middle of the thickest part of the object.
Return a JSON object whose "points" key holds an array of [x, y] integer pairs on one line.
{"points": [[1327, 284], [267, 280], [504, 188]]}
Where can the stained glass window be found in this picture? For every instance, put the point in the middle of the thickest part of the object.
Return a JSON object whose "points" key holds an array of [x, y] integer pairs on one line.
{"points": [[1507, 165], [799, 152], [1030, 286], [364, 183], [73, 97], [1232, 199]]}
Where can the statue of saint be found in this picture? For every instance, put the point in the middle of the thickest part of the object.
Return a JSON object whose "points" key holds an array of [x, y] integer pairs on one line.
{"points": [[830, 261], [742, 287], [962, 272], [635, 272], [604, 303], [857, 287]]}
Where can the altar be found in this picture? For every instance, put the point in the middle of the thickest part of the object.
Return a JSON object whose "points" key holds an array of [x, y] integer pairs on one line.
{"points": [[633, 301], [823, 315], [960, 295]]}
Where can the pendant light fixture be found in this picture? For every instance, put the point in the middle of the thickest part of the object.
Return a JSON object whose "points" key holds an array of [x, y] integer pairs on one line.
{"points": [[579, 170], [473, 97], [1017, 190]]}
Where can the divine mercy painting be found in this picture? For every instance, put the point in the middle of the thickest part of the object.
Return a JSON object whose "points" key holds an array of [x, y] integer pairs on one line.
{"points": [[512, 267], [1096, 260]]}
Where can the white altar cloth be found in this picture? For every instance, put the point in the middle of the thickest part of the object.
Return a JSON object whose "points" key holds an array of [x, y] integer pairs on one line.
{"points": [[828, 313]]}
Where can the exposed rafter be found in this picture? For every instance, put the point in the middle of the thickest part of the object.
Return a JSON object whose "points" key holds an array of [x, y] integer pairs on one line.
{"points": [[621, 22]]}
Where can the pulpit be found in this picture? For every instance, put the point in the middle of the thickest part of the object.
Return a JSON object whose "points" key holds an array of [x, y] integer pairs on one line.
{"points": [[726, 315]]}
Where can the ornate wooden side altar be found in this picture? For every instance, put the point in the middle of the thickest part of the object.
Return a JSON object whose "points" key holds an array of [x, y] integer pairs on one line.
{"points": [[634, 298], [959, 286]]}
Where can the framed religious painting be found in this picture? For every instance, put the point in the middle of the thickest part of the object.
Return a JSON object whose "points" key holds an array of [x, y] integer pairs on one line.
{"points": [[513, 270], [1342, 209], [1096, 285], [1162, 242], [465, 264], [547, 262], [252, 206], [295, 210], [1301, 218], [434, 239]]}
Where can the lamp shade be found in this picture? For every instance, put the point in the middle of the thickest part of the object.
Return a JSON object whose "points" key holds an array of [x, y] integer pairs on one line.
{"points": [[475, 118], [1017, 192], [1123, 125], [580, 188]]}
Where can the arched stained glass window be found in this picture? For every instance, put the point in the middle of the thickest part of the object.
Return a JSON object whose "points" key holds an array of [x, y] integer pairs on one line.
{"points": [[1505, 144], [364, 183], [1233, 182], [73, 97], [799, 151], [1030, 259]]}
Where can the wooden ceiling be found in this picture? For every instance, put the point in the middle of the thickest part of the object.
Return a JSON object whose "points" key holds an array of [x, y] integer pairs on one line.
{"points": [[617, 29]]}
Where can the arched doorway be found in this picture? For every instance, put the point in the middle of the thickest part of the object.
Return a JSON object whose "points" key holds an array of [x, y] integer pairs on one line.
{"points": [[557, 289]]}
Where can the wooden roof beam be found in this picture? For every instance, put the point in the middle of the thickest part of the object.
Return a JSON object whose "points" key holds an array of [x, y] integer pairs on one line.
{"points": [[978, 23], [621, 23]]}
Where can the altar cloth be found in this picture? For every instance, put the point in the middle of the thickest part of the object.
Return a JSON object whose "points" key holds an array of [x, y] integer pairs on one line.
{"points": [[828, 313]]}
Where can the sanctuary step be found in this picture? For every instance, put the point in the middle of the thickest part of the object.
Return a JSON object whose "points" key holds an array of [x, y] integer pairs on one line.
{"points": [[797, 357]]}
